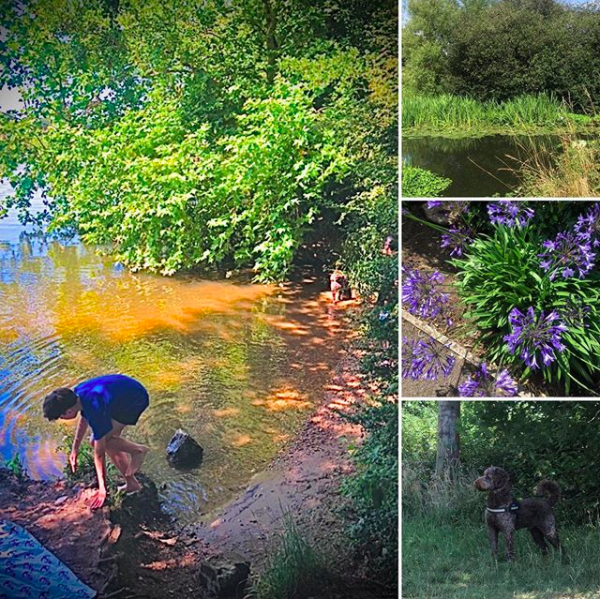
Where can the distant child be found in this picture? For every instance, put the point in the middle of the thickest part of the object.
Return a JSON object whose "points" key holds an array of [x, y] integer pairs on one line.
{"points": [[107, 404]]}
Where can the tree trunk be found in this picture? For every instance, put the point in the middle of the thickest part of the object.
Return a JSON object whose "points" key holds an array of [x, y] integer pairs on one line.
{"points": [[271, 39], [448, 445]]}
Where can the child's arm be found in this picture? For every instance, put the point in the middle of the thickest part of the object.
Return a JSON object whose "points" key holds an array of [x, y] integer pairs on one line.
{"points": [[82, 427], [100, 463]]}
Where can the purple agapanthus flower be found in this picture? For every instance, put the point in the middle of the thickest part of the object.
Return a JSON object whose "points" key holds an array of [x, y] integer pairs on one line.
{"points": [[425, 359], [421, 294], [456, 239], [509, 213], [532, 334], [433, 203], [568, 254], [587, 226], [484, 384]]}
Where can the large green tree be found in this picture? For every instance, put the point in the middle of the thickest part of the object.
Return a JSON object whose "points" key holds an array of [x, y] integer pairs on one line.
{"points": [[194, 133]]}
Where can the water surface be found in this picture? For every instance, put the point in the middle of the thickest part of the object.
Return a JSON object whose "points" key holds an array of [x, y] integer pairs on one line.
{"points": [[238, 366], [478, 166]]}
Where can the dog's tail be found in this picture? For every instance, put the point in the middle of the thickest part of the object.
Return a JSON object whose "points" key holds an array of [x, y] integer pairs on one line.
{"points": [[549, 488]]}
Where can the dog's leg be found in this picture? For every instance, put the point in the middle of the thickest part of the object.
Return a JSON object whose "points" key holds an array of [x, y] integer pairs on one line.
{"points": [[509, 543], [552, 538], [538, 539], [493, 536]]}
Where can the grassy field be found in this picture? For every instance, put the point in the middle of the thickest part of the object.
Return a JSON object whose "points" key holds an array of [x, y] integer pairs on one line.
{"points": [[448, 114], [445, 561]]}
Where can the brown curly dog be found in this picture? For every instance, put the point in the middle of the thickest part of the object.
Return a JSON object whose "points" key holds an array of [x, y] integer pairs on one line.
{"points": [[503, 514]]}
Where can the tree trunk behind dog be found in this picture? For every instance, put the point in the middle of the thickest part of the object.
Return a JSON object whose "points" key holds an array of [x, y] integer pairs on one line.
{"points": [[448, 443]]}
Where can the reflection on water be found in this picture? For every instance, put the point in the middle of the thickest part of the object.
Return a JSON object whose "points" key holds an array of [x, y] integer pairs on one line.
{"points": [[235, 365], [478, 166]]}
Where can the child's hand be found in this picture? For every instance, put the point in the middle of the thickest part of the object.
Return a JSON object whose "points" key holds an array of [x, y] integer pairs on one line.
{"points": [[73, 461], [98, 499]]}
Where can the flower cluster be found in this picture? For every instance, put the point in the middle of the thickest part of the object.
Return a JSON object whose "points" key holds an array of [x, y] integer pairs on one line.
{"points": [[567, 254], [421, 294], [456, 239], [509, 213], [588, 226], [531, 333], [484, 384], [425, 359]]}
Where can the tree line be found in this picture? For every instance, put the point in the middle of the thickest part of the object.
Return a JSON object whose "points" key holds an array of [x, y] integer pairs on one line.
{"points": [[501, 49]]}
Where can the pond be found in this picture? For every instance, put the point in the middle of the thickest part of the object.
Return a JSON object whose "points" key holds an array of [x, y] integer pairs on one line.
{"points": [[478, 166], [238, 366]]}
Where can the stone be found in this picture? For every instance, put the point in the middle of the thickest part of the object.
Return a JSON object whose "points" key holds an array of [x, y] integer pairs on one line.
{"points": [[437, 214], [224, 577], [183, 451]]}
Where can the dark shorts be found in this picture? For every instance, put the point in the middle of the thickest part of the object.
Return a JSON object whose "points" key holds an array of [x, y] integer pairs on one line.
{"points": [[130, 413]]}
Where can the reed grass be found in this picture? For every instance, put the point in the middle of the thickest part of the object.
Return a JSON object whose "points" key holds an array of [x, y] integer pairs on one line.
{"points": [[572, 173], [448, 112]]}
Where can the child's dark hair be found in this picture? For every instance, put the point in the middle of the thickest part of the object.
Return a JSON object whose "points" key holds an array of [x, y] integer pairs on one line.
{"points": [[58, 402]]}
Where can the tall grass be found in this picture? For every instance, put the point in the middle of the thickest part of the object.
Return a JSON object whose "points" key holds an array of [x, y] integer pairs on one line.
{"points": [[447, 112], [294, 569], [572, 173], [448, 498]]}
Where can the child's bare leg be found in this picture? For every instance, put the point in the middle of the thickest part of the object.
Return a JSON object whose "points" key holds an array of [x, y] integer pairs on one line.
{"points": [[121, 460], [118, 444]]}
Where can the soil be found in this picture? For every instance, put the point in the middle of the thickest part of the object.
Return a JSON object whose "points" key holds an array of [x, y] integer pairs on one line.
{"points": [[134, 551], [57, 514]]}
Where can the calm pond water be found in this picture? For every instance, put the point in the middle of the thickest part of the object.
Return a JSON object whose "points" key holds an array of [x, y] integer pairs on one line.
{"points": [[236, 365], [478, 167]]}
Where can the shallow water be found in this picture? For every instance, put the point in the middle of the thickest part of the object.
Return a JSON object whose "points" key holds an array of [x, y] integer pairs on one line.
{"points": [[478, 166], [238, 366]]}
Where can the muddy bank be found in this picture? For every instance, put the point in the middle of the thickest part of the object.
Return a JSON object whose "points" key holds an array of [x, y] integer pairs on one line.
{"points": [[57, 514]]}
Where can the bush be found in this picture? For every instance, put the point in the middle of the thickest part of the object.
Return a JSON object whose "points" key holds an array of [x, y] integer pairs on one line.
{"points": [[374, 489], [502, 272]]}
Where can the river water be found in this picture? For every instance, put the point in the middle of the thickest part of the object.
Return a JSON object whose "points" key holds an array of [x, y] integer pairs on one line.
{"points": [[238, 366], [479, 166]]}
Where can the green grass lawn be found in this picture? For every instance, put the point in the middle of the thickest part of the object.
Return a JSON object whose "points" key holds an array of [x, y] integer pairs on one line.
{"points": [[450, 561]]}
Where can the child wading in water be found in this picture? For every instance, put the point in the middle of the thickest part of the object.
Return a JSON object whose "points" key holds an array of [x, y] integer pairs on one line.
{"points": [[107, 404]]}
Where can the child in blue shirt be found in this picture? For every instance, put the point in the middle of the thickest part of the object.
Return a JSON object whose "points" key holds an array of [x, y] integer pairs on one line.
{"points": [[107, 404]]}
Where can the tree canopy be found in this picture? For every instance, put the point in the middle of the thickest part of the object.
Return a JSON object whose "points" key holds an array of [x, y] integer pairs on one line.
{"points": [[500, 49], [194, 133]]}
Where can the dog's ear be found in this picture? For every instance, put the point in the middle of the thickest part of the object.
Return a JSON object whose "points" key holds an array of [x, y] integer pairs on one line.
{"points": [[500, 476]]}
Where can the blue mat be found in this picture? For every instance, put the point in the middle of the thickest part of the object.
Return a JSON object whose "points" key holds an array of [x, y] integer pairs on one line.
{"points": [[29, 571]]}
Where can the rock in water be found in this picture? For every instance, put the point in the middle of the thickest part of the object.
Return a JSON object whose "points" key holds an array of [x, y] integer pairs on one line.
{"points": [[225, 578], [183, 451]]}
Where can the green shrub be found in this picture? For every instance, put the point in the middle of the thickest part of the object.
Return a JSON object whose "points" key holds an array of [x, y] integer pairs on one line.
{"points": [[501, 272], [420, 183], [374, 489]]}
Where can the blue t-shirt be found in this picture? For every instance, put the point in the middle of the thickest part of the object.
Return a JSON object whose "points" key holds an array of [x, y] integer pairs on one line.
{"points": [[108, 397]]}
